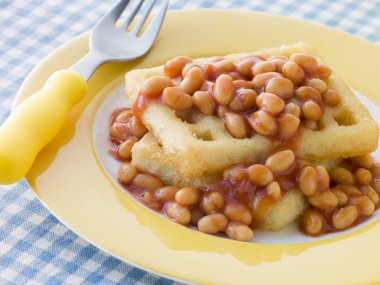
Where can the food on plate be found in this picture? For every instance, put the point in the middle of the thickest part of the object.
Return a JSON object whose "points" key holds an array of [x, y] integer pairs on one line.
{"points": [[149, 156], [344, 118], [245, 141]]}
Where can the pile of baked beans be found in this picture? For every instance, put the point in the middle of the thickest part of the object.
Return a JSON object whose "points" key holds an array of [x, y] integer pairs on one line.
{"points": [[274, 97], [125, 130], [349, 198], [269, 96], [342, 198]]}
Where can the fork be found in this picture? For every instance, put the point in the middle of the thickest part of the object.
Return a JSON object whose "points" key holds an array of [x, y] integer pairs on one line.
{"points": [[38, 119]]}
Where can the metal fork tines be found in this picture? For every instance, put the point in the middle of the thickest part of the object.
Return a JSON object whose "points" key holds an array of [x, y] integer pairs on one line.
{"points": [[111, 41]]}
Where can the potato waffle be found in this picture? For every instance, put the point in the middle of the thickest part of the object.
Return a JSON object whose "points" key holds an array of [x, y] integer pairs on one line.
{"points": [[202, 147]]}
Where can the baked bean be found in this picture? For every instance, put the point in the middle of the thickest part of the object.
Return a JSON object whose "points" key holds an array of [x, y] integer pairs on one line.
{"points": [[342, 176], [279, 63], [136, 127], [260, 174], [293, 109], [307, 93], [274, 190], [210, 71], [331, 98], [263, 67], [323, 177], [280, 86], [238, 213], [235, 172], [242, 84], [176, 98], [263, 123], [323, 200], [126, 173], [371, 194], [206, 88], [217, 58], [173, 67], [311, 111], [239, 231], [223, 89], [375, 169], [244, 99], [225, 66], [317, 84], [147, 181], [204, 101], [235, 75], [364, 205], [235, 125], [260, 55], [348, 189], [270, 102], [196, 214], [280, 161], [308, 63], [312, 125], [187, 196], [166, 193], [283, 57], [260, 80], [288, 125], [376, 184], [148, 197], [124, 116], [189, 66], [344, 217], [177, 213], [324, 71], [364, 160], [312, 222], [342, 197], [149, 200], [245, 66], [308, 180], [119, 131], [221, 111], [363, 176], [153, 86], [125, 148], [213, 223], [193, 80], [212, 202], [348, 165], [293, 71]]}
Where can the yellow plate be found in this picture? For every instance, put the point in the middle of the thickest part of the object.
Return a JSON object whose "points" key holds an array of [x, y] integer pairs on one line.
{"points": [[72, 184]]}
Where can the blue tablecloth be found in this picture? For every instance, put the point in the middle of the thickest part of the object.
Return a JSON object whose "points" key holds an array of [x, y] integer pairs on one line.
{"points": [[35, 248]]}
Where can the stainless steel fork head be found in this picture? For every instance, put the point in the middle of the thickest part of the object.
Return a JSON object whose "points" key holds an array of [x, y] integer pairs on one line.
{"points": [[111, 42]]}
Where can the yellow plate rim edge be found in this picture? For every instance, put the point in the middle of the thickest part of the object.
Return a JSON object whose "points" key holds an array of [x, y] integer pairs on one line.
{"points": [[95, 244], [18, 99]]}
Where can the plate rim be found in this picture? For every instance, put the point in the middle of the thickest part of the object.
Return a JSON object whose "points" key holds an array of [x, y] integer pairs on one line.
{"points": [[18, 98]]}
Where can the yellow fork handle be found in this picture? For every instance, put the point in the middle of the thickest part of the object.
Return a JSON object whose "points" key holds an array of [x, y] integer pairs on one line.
{"points": [[35, 122]]}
